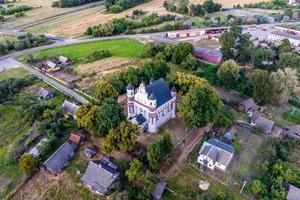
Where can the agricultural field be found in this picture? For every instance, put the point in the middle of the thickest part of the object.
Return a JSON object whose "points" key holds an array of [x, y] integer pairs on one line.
{"points": [[187, 179], [74, 25], [128, 48], [42, 9]]}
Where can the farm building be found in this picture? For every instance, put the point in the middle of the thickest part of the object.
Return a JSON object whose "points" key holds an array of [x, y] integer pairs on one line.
{"points": [[185, 33], [152, 105], [217, 30], [278, 36], [56, 162], [69, 108], [263, 123], [75, 138], [44, 94], [64, 61], [249, 106], [100, 175], [208, 55], [216, 154]]}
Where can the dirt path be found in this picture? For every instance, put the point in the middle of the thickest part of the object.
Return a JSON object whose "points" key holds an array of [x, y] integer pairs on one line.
{"points": [[179, 156]]}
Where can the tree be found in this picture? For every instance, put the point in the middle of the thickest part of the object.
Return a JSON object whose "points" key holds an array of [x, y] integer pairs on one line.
{"points": [[211, 7], [155, 69], [186, 81], [28, 164], [200, 106], [285, 46], [122, 138], [166, 143], [288, 60], [47, 114], [263, 86], [228, 72], [109, 115], [261, 58], [85, 116], [190, 63], [286, 84], [257, 187], [227, 41], [135, 168], [103, 90], [154, 156], [181, 52]]}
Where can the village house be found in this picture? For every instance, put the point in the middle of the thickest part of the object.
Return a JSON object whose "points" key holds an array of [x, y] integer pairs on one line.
{"points": [[278, 36], [59, 159], [152, 105], [64, 61], [263, 123], [50, 66], [216, 155], [159, 190], [100, 175], [292, 131], [293, 193], [75, 138], [44, 94], [249, 106], [91, 151], [69, 108]]}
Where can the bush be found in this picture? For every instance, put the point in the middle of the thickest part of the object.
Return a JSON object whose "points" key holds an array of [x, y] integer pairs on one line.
{"points": [[70, 3], [116, 6], [20, 14], [292, 116], [97, 55], [17, 9]]}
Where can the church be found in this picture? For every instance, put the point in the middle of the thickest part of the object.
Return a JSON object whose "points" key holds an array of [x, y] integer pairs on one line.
{"points": [[151, 106]]}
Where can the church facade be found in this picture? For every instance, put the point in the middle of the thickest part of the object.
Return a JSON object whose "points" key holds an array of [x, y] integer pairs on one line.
{"points": [[152, 105]]}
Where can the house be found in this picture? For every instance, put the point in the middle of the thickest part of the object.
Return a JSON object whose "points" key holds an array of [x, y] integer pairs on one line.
{"points": [[91, 151], [75, 138], [159, 190], [229, 135], [216, 155], [184, 33], [35, 150], [208, 55], [293, 193], [44, 94], [64, 61], [249, 106], [265, 124], [100, 175], [69, 108], [50, 66], [292, 131], [152, 105], [56, 162], [294, 2]]}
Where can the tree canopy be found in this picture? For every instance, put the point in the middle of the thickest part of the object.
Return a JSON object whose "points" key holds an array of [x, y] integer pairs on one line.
{"points": [[228, 72], [103, 90]]}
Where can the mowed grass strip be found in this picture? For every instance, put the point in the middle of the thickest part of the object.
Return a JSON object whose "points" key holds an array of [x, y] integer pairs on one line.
{"points": [[13, 73], [128, 48]]}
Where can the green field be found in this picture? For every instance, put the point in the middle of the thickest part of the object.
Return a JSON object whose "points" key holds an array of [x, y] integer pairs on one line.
{"points": [[13, 73], [189, 177], [128, 48]]}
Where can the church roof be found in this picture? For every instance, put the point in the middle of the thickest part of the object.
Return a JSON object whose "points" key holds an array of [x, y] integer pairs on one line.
{"points": [[129, 87], [152, 97], [161, 91]]}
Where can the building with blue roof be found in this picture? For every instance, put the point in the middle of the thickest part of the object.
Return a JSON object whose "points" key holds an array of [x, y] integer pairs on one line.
{"points": [[216, 154], [151, 105]]}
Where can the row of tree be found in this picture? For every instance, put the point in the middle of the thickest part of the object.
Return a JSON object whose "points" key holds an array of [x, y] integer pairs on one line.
{"points": [[123, 25], [183, 7], [13, 10], [23, 42], [70, 3], [116, 6]]}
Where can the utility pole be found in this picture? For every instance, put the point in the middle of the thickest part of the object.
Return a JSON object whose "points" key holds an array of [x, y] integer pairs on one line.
{"points": [[243, 187]]}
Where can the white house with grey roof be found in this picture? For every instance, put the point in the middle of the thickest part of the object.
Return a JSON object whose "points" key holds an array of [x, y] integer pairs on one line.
{"points": [[216, 154], [100, 175], [69, 108], [152, 105]]}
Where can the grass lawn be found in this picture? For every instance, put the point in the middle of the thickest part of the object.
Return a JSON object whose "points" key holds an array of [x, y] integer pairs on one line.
{"points": [[190, 177], [13, 73], [128, 48], [292, 115], [246, 160]]}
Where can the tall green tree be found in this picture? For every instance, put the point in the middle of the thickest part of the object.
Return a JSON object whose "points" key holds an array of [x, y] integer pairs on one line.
{"points": [[228, 72], [186, 81], [227, 41], [154, 156], [123, 138], [181, 52], [288, 60], [28, 164], [261, 58], [263, 86], [103, 90], [134, 169], [200, 106]]}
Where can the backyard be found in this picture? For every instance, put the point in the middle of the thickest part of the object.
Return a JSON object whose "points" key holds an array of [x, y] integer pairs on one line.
{"points": [[13, 73]]}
